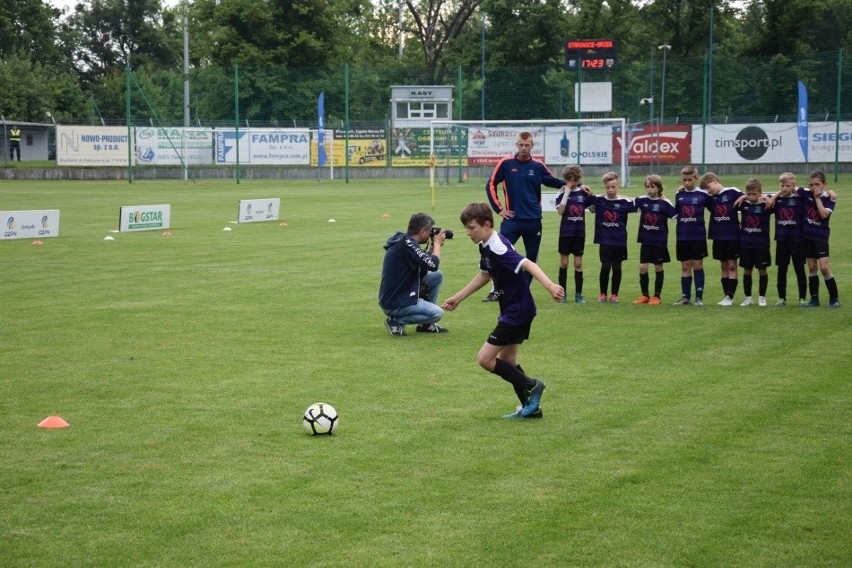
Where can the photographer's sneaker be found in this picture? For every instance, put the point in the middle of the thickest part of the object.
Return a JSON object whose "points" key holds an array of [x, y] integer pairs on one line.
{"points": [[726, 301], [395, 328], [746, 301], [492, 296], [431, 328], [535, 399], [761, 301]]}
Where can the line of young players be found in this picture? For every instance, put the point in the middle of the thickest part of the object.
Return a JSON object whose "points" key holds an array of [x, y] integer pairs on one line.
{"points": [[739, 226]]}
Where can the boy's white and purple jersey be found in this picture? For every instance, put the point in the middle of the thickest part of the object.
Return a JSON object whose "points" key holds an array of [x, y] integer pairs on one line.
{"points": [[503, 264], [573, 223], [690, 207], [611, 219], [789, 217], [754, 225], [654, 215], [815, 227], [724, 225]]}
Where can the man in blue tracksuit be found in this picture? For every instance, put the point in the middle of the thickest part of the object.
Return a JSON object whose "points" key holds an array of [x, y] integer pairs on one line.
{"points": [[521, 177], [411, 279]]}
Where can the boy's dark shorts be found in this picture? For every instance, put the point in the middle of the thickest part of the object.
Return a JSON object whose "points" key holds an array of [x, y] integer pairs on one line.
{"points": [[654, 254], [785, 251], [505, 334], [572, 245], [816, 249], [691, 250], [613, 253], [726, 250], [755, 258]]}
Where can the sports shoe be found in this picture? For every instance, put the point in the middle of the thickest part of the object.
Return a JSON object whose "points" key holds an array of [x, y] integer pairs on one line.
{"points": [[781, 303], [835, 303], [803, 303], [698, 302], [642, 300], [684, 301], [517, 414], [492, 296], [535, 399], [746, 301], [564, 300], [814, 303], [614, 299], [431, 328], [578, 298], [655, 301], [602, 299], [761, 301], [394, 327], [727, 301]]}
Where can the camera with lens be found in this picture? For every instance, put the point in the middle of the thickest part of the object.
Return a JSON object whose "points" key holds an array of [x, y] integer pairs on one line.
{"points": [[436, 230]]}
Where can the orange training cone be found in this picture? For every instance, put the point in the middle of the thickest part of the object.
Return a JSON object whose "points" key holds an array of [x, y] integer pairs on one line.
{"points": [[53, 422], [37, 242]]}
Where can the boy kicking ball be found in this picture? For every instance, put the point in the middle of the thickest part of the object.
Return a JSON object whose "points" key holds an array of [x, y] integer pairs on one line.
{"points": [[501, 263]]}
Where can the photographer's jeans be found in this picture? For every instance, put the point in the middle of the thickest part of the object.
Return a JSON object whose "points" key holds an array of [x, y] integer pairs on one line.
{"points": [[423, 311]]}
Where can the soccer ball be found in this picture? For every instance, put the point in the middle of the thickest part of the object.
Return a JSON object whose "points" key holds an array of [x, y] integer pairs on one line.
{"points": [[320, 418]]}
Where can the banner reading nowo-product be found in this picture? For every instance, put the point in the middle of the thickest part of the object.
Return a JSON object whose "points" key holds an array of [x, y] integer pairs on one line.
{"points": [[144, 217], [28, 224], [92, 146], [253, 210], [272, 146]]}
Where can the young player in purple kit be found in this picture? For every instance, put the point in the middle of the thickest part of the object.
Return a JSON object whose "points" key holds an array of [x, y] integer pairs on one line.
{"points": [[611, 234], [691, 236], [754, 240], [572, 203], [789, 209], [502, 264], [819, 207], [655, 212], [724, 230]]}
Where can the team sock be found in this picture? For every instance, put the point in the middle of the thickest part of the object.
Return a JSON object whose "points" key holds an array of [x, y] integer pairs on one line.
{"points": [[616, 278], [747, 280], [699, 283], [686, 286], [831, 286], [763, 284], [813, 284], [643, 283], [512, 375], [563, 277], [658, 283], [782, 282], [578, 281]]}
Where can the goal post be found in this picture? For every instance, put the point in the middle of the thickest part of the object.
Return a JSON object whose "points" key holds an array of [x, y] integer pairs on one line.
{"points": [[593, 142]]}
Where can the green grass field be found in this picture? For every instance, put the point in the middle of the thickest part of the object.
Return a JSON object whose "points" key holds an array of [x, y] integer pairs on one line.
{"points": [[673, 436]]}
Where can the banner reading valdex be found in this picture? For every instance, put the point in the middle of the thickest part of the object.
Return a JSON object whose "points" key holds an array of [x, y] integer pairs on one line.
{"points": [[28, 224], [144, 217]]}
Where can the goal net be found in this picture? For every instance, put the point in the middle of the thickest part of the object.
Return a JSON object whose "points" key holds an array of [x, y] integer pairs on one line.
{"points": [[597, 143]]}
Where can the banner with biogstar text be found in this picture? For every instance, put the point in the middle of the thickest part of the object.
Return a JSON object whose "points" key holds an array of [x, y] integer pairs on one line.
{"points": [[29, 224], [770, 143], [253, 210], [144, 217], [259, 146], [166, 146], [92, 146]]}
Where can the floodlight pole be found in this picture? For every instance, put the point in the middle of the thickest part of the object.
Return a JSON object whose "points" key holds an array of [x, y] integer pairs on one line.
{"points": [[665, 47], [186, 117]]}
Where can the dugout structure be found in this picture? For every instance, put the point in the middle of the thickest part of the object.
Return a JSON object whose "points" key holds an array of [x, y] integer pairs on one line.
{"points": [[598, 142]]}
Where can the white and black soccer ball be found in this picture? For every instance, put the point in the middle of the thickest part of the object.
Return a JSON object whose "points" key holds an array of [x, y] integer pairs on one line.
{"points": [[320, 419]]}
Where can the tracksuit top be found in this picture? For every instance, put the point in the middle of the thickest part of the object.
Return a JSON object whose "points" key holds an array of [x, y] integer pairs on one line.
{"points": [[521, 182], [402, 268]]}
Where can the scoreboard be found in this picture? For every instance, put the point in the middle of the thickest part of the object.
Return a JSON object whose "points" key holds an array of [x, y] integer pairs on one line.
{"points": [[590, 54]]}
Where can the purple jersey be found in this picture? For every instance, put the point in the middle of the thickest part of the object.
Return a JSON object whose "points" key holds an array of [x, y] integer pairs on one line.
{"points": [[654, 215], [754, 226], [724, 224], [690, 207], [503, 264], [815, 228], [789, 217], [573, 223], [611, 219]]}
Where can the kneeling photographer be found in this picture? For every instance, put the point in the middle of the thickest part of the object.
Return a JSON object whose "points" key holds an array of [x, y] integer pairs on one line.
{"points": [[411, 279]]}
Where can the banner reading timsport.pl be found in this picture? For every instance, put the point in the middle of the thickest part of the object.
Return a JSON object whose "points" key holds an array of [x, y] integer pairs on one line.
{"points": [[144, 217]]}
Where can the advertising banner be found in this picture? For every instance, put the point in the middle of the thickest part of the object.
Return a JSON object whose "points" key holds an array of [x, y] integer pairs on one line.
{"points": [[656, 144], [264, 146], [411, 147], [92, 146], [366, 148], [165, 146], [563, 145], [253, 210], [29, 224], [144, 217], [487, 145], [769, 143]]}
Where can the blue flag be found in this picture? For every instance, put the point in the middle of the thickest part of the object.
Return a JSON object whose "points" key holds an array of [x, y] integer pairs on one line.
{"points": [[802, 120], [321, 130]]}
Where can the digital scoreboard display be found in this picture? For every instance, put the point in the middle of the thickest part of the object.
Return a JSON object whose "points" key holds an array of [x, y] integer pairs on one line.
{"points": [[590, 54]]}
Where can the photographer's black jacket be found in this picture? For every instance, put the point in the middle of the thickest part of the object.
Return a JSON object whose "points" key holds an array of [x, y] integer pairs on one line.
{"points": [[404, 263]]}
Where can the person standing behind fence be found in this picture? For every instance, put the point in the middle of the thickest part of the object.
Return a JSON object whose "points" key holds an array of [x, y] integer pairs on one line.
{"points": [[521, 177], [14, 142]]}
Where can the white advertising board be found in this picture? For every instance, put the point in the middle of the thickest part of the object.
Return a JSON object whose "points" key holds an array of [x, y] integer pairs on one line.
{"points": [[92, 146], [274, 146], [144, 217], [563, 145], [28, 224], [770, 143], [548, 200], [253, 210], [165, 146], [486, 145]]}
